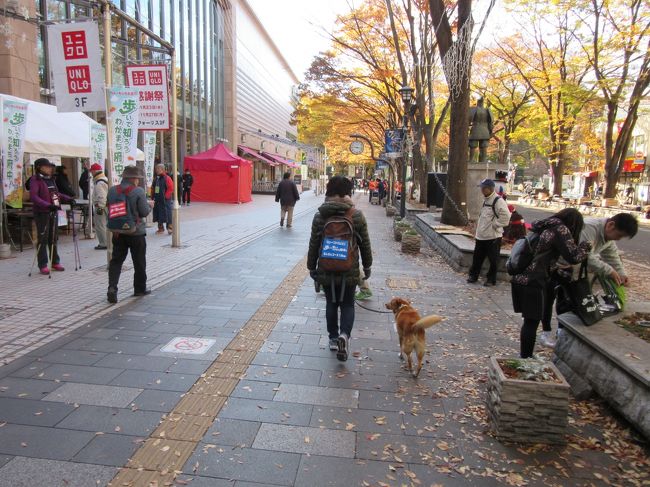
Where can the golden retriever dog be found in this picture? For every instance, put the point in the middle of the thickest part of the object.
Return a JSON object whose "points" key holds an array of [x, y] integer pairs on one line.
{"points": [[410, 328]]}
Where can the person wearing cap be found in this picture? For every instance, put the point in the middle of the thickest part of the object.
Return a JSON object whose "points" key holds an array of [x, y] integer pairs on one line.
{"points": [[139, 208], [493, 218], [100, 191], [46, 200], [516, 229]]}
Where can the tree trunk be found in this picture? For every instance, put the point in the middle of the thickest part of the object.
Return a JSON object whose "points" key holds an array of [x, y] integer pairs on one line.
{"points": [[458, 154]]}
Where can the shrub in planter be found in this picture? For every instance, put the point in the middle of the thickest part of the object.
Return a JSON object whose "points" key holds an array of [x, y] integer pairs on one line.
{"points": [[399, 228], [411, 241], [527, 400], [390, 210]]}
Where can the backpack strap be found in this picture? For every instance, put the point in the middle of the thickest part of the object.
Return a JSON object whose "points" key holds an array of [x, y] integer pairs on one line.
{"points": [[494, 204]]}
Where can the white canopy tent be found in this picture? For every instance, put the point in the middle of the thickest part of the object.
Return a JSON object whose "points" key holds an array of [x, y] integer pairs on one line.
{"points": [[49, 132]]}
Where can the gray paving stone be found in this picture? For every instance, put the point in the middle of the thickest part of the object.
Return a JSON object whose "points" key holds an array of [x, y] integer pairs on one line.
{"points": [[183, 366], [101, 333], [410, 449], [271, 359], [321, 396], [32, 412], [27, 388], [197, 481], [266, 411], [284, 337], [32, 369], [42, 442], [290, 348], [152, 400], [326, 364], [73, 357], [110, 346], [279, 466], [123, 361], [305, 440], [270, 347], [155, 380], [284, 375], [353, 379], [94, 395], [211, 354], [345, 472], [232, 432], [252, 389], [252, 484], [357, 420], [107, 449], [111, 420], [32, 472], [86, 374], [393, 402], [4, 459]]}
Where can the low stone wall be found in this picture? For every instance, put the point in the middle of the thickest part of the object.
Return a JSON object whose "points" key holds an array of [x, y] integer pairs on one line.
{"points": [[606, 359], [457, 250], [587, 210]]}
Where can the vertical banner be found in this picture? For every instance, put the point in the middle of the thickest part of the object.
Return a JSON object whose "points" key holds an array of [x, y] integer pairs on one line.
{"points": [[151, 79], [123, 113], [149, 137], [14, 122], [97, 144], [76, 64]]}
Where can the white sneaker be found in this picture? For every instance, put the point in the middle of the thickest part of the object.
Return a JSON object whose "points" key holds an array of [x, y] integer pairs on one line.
{"points": [[546, 340]]}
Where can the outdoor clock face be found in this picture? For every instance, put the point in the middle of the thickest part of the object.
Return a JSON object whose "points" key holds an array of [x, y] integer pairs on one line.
{"points": [[356, 147]]}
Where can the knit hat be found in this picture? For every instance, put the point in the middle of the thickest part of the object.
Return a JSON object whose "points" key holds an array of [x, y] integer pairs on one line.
{"points": [[42, 161], [132, 172], [96, 167]]}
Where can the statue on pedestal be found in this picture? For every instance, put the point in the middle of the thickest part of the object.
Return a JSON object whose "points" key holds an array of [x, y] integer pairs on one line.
{"points": [[480, 120]]}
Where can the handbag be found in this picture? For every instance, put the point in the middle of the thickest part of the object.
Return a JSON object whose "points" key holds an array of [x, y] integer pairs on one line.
{"points": [[577, 297]]}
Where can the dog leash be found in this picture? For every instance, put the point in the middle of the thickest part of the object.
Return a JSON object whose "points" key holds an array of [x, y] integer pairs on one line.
{"points": [[370, 309]]}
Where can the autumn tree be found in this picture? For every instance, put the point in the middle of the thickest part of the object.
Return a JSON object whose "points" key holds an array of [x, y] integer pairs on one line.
{"points": [[616, 42], [545, 55]]}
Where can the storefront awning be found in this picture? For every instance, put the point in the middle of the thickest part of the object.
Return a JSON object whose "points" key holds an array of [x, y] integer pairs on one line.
{"points": [[279, 160], [257, 155]]}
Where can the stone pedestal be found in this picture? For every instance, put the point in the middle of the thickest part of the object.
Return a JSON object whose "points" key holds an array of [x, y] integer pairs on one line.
{"points": [[527, 411], [475, 174]]}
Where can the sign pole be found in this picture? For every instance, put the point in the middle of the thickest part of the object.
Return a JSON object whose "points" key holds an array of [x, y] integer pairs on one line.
{"points": [[108, 76], [176, 230]]}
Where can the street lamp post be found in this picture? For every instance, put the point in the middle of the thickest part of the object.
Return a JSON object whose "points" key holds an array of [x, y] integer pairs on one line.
{"points": [[406, 92]]}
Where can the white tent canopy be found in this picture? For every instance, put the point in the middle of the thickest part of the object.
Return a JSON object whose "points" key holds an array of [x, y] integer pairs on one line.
{"points": [[61, 134]]}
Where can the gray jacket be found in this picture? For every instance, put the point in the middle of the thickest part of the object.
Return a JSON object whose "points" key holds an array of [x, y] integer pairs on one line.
{"points": [[137, 203], [489, 225], [604, 254]]}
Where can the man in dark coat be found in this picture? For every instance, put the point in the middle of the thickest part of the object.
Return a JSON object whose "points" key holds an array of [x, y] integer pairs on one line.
{"points": [[287, 195]]}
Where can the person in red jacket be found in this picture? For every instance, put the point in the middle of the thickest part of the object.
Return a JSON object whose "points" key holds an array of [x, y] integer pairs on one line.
{"points": [[162, 191]]}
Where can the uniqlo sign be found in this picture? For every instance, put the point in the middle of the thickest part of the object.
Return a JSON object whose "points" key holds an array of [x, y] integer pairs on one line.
{"points": [[151, 80], [75, 62]]}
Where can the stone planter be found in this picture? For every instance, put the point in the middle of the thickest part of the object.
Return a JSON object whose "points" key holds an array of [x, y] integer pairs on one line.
{"points": [[390, 211], [527, 411], [399, 228], [5, 251], [411, 241]]}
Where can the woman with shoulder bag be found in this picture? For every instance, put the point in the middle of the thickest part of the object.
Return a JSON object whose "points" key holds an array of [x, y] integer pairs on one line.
{"points": [[531, 293]]}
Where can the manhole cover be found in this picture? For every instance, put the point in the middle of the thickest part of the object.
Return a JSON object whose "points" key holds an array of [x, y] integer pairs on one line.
{"points": [[401, 283], [6, 312]]}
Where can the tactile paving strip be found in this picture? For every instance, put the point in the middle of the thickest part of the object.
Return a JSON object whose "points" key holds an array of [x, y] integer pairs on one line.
{"points": [[162, 456]]}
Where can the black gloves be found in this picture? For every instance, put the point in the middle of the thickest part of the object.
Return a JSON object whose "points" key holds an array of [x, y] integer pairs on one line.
{"points": [[72, 202], [314, 274], [366, 273], [54, 208]]}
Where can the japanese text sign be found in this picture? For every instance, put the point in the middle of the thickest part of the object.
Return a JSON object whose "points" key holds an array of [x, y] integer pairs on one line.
{"points": [[149, 137], [123, 112], [151, 80], [14, 122], [97, 144], [75, 61]]}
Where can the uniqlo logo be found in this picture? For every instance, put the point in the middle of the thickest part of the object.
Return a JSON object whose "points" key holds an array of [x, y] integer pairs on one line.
{"points": [[74, 44], [139, 78], [78, 79], [155, 78]]}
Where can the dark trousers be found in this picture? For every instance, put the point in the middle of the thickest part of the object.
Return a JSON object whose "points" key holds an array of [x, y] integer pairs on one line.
{"points": [[137, 244], [482, 249], [46, 228], [346, 305], [527, 337], [186, 195]]}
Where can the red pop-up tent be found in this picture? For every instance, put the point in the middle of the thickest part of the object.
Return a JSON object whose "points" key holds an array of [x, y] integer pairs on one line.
{"points": [[220, 176]]}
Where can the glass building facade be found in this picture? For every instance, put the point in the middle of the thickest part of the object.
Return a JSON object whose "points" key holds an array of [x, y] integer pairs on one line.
{"points": [[196, 28]]}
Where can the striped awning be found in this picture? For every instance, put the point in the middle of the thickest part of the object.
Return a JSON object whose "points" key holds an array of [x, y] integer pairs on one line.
{"points": [[256, 155]]}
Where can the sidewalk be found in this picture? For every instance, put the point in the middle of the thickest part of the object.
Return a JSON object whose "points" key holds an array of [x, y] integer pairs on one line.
{"points": [[105, 403], [35, 310]]}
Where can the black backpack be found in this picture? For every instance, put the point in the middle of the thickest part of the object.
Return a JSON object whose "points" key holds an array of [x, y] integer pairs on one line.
{"points": [[120, 218], [522, 254]]}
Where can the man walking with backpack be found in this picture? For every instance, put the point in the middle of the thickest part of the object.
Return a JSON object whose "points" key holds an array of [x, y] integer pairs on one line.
{"points": [[493, 218], [127, 208], [339, 233]]}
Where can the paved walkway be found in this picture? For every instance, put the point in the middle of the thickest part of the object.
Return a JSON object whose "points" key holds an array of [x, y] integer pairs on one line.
{"points": [[35, 310], [106, 403]]}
